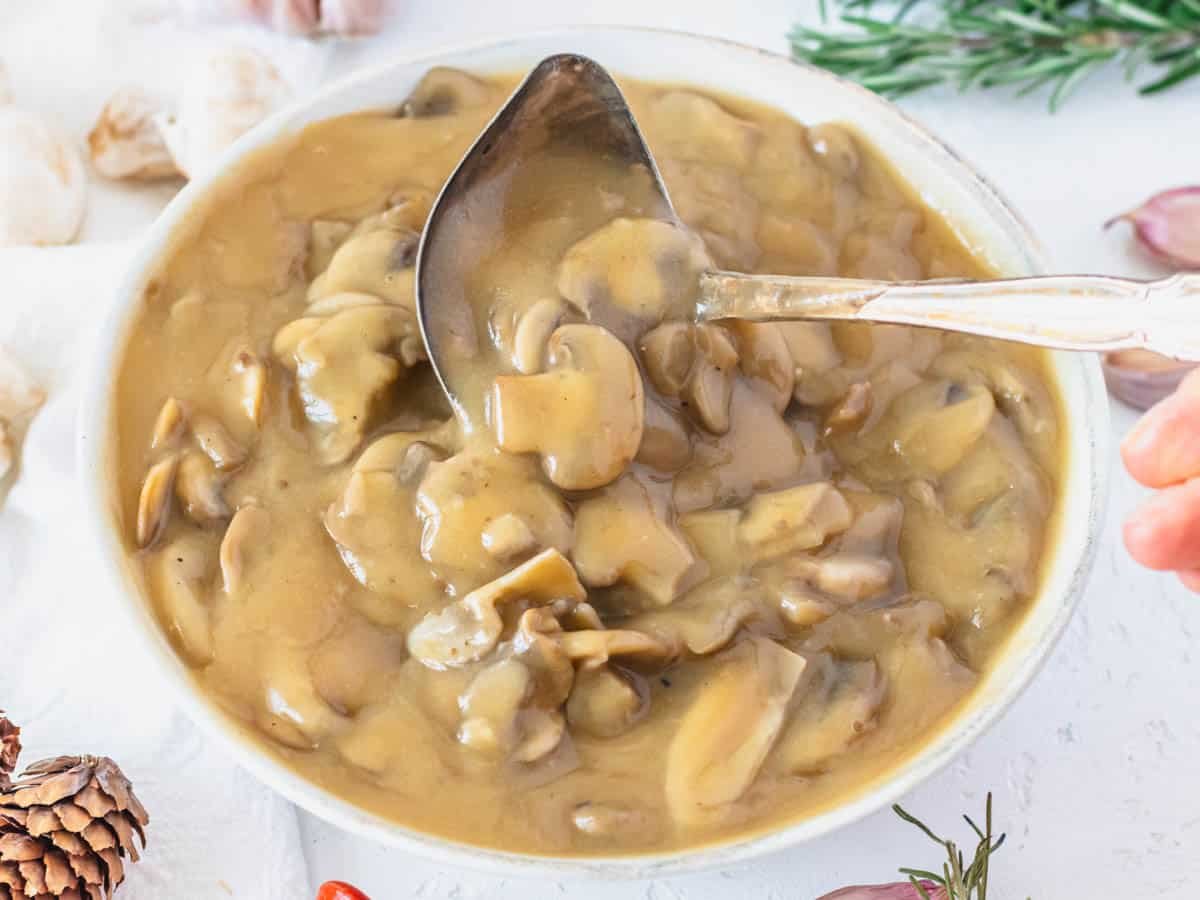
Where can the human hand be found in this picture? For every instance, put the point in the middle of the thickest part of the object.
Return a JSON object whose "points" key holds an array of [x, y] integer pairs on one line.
{"points": [[1163, 452]]}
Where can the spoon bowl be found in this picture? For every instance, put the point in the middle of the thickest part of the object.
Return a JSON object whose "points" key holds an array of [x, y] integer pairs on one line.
{"points": [[567, 106]]}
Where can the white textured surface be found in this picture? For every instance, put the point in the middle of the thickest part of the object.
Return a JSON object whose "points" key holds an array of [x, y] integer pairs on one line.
{"points": [[1094, 768]]}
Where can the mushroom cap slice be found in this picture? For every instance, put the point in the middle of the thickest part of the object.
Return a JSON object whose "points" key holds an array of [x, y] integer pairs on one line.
{"points": [[656, 562], [343, 364], [247, 528], [459, 499], [840, 703], [697, 363], [759, 452], [154, 501], [181, 574], [199, 486], [799, 518], [605, 702], [584, 416], [468, 630], [729, 729], [646, 268], [374, 521]]}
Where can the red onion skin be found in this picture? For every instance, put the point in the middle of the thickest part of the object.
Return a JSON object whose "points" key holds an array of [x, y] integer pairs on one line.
{"points": [[901, 890], [1168, 225], [1141, 388]]}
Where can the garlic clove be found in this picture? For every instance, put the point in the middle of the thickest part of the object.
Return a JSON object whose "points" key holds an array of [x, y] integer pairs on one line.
{"points": [[43, 184], [1168, 225], [1141, 378], [288, 16], [126, 142], [352, 17], [231, 93]]}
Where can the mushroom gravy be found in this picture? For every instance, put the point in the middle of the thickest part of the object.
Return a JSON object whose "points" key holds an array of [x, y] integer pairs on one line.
{"points": [[683, 583]]}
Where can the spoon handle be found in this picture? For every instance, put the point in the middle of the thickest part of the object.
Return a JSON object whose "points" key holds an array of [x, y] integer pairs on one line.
{"points": [[1067, 312]]}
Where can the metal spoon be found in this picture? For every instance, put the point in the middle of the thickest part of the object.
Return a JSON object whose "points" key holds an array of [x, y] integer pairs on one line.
{"points": [[572, 100]]}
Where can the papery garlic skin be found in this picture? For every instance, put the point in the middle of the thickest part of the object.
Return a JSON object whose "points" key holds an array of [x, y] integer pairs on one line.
{"points": [[1168, 225], [231, 93], [127, 142], [43, 184]]}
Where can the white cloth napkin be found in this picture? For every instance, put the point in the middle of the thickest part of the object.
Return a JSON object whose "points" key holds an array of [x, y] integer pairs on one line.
{"points": [[70, 673]]}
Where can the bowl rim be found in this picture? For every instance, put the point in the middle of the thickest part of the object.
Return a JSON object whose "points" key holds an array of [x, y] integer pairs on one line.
{"points": [[92, 459]]}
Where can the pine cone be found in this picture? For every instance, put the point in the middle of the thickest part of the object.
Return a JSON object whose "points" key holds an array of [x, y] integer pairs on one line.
{"points": [[10, 749], [65, 827]]}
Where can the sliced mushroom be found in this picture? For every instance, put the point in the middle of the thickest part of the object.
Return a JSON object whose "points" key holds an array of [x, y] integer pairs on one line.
{"points": [[765, 358], [656, 564], [707, 617], [713, 201], [460, 497], [181, 576], [199, 487], [760, 452], [849, 577], [526, 338], [666, 445], [252, 376], [468, 629], [293, 712], [374, 521], [217, 443], [605, 702], [247, 528], [376, 261], [154, 501], [508, 537], [1021, 396], [852, 410], [645, 268], [815, 357], [343, 365], [169, 426], [324, 238], [443, 91], [934, 425], [584, 416], [353, 666], [729, 729], [839, 705], [696, 363], [714, 535], [800, 518], [703, 130]]}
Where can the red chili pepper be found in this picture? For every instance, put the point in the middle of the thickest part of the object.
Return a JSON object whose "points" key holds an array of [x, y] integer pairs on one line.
{"points": [[339, 890]]}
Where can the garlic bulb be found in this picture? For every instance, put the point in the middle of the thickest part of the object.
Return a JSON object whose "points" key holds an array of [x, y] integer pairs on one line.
{"points": [[233, 92], [43, 186], [304, 17], [20, 397], [127, 142]]}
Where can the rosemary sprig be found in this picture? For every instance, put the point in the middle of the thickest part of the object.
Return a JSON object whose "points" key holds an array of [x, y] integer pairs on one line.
{"points": [[1027, 44], [959, 880]]}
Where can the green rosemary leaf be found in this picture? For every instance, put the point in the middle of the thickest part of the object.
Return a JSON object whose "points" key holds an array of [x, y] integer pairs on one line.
{"points": [[1185, 69], [900, 46]]}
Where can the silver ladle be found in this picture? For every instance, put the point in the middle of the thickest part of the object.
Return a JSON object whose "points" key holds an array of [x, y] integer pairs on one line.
{"points": [[572, 99]]}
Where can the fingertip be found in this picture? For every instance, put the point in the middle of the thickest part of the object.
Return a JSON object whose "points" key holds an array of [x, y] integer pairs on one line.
{"points": [[1138, 533]]}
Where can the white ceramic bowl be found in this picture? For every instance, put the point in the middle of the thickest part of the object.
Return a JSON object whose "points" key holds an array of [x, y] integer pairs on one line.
{"points": [[947, 183]]}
